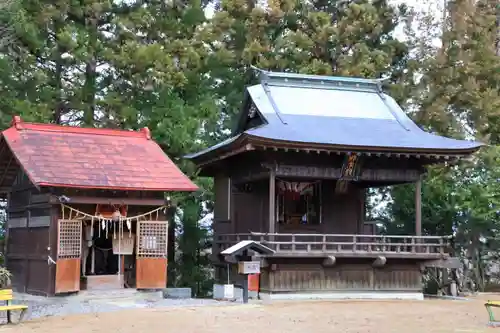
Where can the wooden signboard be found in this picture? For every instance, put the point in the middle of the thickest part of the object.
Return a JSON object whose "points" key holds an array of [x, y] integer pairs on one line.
{"points": [[125, 245], [249, 267]]}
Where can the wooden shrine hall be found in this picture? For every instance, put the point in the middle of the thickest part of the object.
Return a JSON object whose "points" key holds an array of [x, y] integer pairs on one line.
{"points": [[294, 176], [86, 207]]}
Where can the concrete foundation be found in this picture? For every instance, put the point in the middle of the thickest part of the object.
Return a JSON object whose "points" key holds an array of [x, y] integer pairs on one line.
{"points": [[343, 295], [218, 293], [177, 293]]}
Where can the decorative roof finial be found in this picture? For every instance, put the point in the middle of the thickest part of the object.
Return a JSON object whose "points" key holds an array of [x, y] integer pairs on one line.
{"points": [[16, 122], [146, 132]]}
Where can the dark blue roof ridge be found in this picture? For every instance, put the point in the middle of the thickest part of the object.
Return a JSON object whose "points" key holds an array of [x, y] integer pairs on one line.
{"points": [[321, 81]]}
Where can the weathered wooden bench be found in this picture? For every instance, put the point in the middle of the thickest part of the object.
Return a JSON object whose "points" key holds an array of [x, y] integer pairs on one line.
{"points": [[7, 296]]}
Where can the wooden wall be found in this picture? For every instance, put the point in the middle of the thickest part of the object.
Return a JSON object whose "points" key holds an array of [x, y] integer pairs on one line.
{"points": [[32, 231], [309, 275], [249, 210], [248, 207], [312, 277], [29, 238], [342, 213]]}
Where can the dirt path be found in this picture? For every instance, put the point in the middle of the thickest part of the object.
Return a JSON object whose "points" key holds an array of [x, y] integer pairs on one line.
{"points": [[290, 317]]}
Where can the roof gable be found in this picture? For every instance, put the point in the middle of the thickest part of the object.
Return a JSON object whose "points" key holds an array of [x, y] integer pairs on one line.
{"points": [[63, 156], [338, 111], [250, 117]]}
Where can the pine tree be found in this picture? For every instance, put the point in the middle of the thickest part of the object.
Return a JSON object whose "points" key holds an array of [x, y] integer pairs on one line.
{"points": [[126, 65], [322, 37], [462, 95], [458, 95]]}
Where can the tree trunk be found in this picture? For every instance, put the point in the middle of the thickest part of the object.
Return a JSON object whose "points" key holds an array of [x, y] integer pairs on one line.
{"points": [[171, 276], [89, 88], [60, 104]]}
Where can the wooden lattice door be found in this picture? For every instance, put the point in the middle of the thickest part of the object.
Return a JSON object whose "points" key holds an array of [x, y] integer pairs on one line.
{"points": [[69, 251], [151, 270]]}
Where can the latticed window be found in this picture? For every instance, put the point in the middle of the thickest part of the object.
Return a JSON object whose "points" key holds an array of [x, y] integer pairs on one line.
{"points": [[152, 239], [70, 239]]}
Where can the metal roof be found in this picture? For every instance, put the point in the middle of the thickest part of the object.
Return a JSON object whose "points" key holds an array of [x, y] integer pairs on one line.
{"points": [[92, 158], [337, 111]]}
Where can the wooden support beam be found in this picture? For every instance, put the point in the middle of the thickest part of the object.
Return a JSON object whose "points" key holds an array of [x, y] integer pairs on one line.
{"points": [[452, 263], [230, 259], [2, 151], [6, 171], [418, 208], [272, 201], [247, 147], [263, 262], [111, 201], [250, 176], [320, 172]]}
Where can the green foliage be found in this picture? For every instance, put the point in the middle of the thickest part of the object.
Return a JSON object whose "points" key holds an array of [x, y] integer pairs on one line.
{"points": [[194, 263], [333, 38], [438, 205], [5, 277], [460, 92], [457, 94], [462, 198]]}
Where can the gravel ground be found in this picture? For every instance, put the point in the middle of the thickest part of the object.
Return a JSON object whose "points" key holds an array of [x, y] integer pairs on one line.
{"points": [[152, 314], [100, 303], [290, 317]]}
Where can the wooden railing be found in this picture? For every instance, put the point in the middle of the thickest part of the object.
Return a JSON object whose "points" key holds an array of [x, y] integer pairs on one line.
{"points": [[341, 244]]}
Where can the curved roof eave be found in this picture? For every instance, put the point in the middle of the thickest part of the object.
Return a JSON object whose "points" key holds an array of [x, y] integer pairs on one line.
{"points": [[235, 140], [256, 139]]}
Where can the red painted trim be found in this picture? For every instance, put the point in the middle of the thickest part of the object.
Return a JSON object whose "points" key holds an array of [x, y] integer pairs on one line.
{"points": [[20, 125], [82, 130], [118, 188]]}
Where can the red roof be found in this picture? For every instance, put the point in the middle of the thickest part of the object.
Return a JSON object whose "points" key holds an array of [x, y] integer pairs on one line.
{"points": [[63, 156]]}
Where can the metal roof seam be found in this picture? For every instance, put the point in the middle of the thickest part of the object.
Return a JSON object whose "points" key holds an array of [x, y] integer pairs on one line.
{"points": [[273, 103], [393, 112]]}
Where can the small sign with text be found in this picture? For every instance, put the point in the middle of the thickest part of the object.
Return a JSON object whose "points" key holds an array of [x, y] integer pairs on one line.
{"points": [[249, 267]]}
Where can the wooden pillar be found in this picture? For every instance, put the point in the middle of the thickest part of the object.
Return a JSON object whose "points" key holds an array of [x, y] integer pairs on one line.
{"points": [[362, 211], [272, 201], [418, 208], [92, 264]]}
